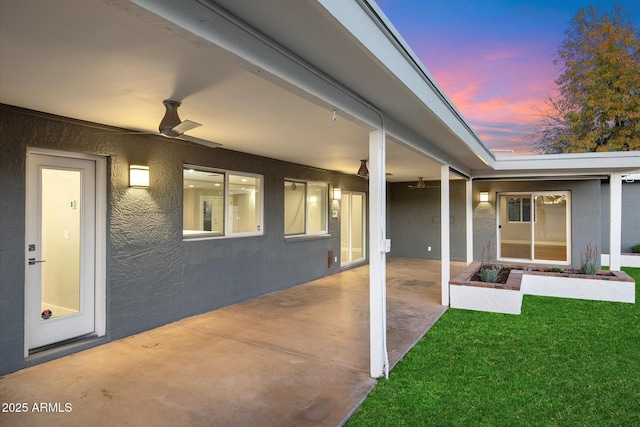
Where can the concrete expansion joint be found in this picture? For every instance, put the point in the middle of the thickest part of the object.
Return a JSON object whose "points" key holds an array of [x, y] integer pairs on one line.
{"points": [[279, 349]]}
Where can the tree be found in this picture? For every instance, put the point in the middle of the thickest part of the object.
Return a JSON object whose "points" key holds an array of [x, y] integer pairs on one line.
{"points": [[597, 106]]}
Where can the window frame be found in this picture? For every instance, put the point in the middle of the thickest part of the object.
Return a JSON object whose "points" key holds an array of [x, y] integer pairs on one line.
{"points": [[226, 229], [307, 233], [521, 210]]}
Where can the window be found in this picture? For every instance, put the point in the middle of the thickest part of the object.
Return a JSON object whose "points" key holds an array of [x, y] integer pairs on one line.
{"points": [[221, 203], [305, 208], [519, 209], [244, 204]]}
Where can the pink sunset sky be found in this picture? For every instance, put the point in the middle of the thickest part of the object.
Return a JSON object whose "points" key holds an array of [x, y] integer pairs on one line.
{"points": [[493, 59]]}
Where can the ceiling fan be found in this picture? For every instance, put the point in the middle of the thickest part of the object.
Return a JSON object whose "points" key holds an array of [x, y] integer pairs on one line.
{"points": [[172, 127], [421, 184]]}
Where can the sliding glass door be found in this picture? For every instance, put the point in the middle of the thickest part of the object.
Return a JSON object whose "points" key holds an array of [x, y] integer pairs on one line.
{"points": [[352, 228], [535, 226]]}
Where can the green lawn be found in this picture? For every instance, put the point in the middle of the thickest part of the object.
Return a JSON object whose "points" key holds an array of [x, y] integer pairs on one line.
{"points": [[561, 362]]}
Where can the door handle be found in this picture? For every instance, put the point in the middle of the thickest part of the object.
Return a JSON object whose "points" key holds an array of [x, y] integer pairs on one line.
{"points": [[33, 261]]}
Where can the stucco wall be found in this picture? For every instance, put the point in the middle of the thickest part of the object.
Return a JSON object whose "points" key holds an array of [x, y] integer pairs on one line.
{"points": [[630, 216], [415, 220], [154, 276], [585, 212]]}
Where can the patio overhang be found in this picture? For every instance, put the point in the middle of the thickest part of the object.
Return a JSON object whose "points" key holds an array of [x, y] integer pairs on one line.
{"points": [[260, 80]]}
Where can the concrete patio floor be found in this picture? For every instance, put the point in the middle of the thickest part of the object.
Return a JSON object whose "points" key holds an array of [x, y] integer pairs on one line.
{"points": [[298, 357]]}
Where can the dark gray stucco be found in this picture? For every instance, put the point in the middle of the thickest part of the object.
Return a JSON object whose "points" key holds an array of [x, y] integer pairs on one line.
{"points": [[630, 215], [154, 276], [415, 220], [585, 211]]}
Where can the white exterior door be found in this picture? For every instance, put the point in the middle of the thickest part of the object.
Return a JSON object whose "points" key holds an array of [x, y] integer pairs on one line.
{"points": [[60, 249]]}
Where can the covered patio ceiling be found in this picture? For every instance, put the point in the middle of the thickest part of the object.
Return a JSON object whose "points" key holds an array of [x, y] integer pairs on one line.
{"points": [[113, 62]]}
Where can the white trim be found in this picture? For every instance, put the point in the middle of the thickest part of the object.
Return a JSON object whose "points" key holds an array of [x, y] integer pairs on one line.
{"points": [[101, 246], [445, 234], [568, 166], [615, 218], [379, 360], [469, 220]]}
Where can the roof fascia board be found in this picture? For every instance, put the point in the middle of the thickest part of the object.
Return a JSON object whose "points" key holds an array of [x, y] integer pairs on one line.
{"points": [[558, 165], [367, 23], [609, 160], [263, 57]]}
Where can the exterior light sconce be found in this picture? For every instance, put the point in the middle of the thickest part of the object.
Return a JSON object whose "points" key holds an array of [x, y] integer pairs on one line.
{"points": [[337, 194], [139, 176], [484, 196]]}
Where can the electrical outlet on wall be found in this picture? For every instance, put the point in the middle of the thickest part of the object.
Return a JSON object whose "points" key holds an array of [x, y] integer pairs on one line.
{"points": [[428, 248]]}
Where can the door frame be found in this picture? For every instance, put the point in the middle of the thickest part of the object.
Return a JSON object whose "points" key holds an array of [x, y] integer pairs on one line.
{"points": [[533, 194], [348, 217], [100, 273]]}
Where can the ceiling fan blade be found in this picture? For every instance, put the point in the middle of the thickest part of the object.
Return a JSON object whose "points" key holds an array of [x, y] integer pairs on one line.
{"points": [[199, 141], [185, 126]]}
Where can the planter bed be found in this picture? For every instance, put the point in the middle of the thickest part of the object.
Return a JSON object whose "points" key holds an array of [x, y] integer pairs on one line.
{"points": [[615, 286], [482, 296], [626, 260]]}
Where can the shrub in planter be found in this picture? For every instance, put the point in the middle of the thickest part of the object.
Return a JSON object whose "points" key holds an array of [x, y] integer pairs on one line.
{"points": [[488, 270], [589, 260], [489, 273], [636, 248]]}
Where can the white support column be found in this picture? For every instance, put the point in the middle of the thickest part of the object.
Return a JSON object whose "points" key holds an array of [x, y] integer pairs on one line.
{"points": [[379, 362], [615, 225], [469, 219], [445, 237]]}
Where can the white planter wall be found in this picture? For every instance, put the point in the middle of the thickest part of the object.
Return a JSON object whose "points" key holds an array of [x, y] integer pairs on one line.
{"points": [[485, 299], [626, 260], [571, 287]]}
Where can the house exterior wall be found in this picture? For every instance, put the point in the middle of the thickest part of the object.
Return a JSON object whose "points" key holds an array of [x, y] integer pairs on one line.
{"points": [[630, 215], [415, 220], [154, 276], [585, 209]]}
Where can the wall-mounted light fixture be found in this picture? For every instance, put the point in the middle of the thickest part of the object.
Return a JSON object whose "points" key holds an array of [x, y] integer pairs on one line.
{"points": [[138, 176], [337, 194], [484, 196]]}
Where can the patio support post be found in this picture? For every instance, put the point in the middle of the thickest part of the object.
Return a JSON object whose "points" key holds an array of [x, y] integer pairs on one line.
{"points": [[615, 224], [445, 255], [377, 262], [469, 219]]}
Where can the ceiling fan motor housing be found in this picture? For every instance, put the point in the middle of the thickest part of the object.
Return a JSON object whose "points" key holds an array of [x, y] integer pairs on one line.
{"points": [[170, 119]]}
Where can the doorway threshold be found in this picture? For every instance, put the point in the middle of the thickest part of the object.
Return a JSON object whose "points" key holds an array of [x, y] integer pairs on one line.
{"points": [[64, 348]]}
